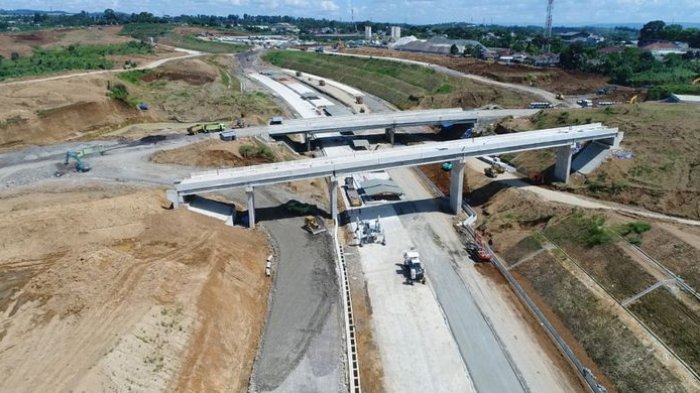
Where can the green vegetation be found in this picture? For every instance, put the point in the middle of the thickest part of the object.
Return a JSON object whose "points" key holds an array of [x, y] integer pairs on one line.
{"points": [[589, 231], [134, 76], [630, 365], [257, 151], [11, 121], [403, 85], [632, 231], [144, 30], [118, 92], [590, 242], [164, 33], [73, 57], [676, 324]]}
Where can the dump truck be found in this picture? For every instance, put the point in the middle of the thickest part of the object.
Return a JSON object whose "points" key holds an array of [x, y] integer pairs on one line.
{"points": [[314, 224], [413, 268], [477, 252], [205, 128]]}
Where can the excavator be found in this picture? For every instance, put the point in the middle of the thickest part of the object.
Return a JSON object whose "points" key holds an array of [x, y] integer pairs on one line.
{"points": [[80, 166], [696, 81], [494, 170]]}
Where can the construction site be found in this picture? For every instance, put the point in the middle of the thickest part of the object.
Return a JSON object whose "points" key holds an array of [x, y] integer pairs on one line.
{"points": [[241, 223]]}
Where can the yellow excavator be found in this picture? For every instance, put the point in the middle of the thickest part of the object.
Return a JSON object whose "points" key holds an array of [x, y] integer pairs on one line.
{"points": [[634, 99], [494, 170], [697, 81]]}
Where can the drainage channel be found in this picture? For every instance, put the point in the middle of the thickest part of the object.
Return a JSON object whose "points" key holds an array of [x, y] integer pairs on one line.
{"points": [[353, 363]]}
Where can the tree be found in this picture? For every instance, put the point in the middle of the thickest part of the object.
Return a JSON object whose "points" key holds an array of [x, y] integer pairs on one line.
{"points": [[454, 50], [14, 56], [651, 31], [110, 17]]}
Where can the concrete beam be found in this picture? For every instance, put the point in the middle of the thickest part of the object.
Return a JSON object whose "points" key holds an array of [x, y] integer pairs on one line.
{"points": [[562, 165], [456, 185], [250, 193], [333, 189]]}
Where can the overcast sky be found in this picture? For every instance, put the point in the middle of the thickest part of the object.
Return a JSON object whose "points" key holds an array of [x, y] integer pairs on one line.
{"points": [[522, 12]]}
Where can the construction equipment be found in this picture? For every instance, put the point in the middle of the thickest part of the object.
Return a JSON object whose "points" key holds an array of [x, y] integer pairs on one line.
{"points": [[446, 166], [205, 128], [412, 267], [80, 166], [314, 225], [477, 250], [494, 170], [696, 81], [634, 99], [369, 232]]}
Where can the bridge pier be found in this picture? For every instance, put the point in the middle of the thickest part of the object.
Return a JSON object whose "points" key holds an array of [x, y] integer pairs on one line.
{"points": [[250, 193], [456, 185], [390, 132], [307, 141], [333, 190], [562, 165]]}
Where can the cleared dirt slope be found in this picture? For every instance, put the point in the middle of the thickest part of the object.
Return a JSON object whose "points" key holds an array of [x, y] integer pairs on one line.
{"points": [[104, 290]]}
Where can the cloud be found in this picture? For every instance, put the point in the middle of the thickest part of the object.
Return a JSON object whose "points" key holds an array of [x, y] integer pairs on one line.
{"points": [[329, 6]]}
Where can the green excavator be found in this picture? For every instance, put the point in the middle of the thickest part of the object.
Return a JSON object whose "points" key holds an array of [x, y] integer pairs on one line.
{"points": [[80, 166]]}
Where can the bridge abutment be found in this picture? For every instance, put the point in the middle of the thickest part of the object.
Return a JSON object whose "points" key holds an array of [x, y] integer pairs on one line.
{"points": [[456, 185]]}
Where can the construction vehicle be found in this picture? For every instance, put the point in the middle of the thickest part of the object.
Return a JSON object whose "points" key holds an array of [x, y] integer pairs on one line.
{"points": [[446, 166], [477, 250], [80, 166], [413, 268], [634, 99], [205, 128], [369, 232], [696, 81], [494, 170], [314, 224]]}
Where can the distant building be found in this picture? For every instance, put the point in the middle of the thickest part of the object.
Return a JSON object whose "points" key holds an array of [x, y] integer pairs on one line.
{"points": [[368, 33], [685, 99], [395, 33], [440, 45], [582, 37], [662, 48]]}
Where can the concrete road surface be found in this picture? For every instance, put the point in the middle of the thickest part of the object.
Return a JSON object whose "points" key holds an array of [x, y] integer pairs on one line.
{"points": [[417, 350]]}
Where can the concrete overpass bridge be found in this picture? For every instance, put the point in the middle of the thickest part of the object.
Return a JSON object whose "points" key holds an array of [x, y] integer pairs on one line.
{"points": [[388, 121], [562, 139]]}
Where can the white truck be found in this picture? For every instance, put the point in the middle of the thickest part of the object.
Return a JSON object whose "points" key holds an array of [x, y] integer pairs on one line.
{"points": [[413, 268]]}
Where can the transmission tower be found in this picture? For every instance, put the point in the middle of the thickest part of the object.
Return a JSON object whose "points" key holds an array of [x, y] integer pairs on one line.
{"points": [[548, 28]]}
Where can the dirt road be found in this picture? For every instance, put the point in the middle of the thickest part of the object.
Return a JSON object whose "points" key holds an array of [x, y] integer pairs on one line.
{"points": [[151, 65], [513, 180], [543, 94]]}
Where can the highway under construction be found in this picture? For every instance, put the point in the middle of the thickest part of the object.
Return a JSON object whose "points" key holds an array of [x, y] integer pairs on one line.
{"points": [[458, 312]]}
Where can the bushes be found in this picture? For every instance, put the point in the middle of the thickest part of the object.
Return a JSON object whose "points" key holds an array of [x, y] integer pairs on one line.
{"points": [[73, 57], [255, 151], [118, 92]]}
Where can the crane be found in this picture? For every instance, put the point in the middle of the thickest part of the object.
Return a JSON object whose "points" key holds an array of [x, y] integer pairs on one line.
{"points": [[548, 27]]}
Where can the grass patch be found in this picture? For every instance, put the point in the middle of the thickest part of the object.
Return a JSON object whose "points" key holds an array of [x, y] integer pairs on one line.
{"points": [[588, 240], [257, 151], [522, 249], [607, 341], [676, 324], [193, 43], [404, 85], [134, 76], [73, 57], [11, 121]]}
